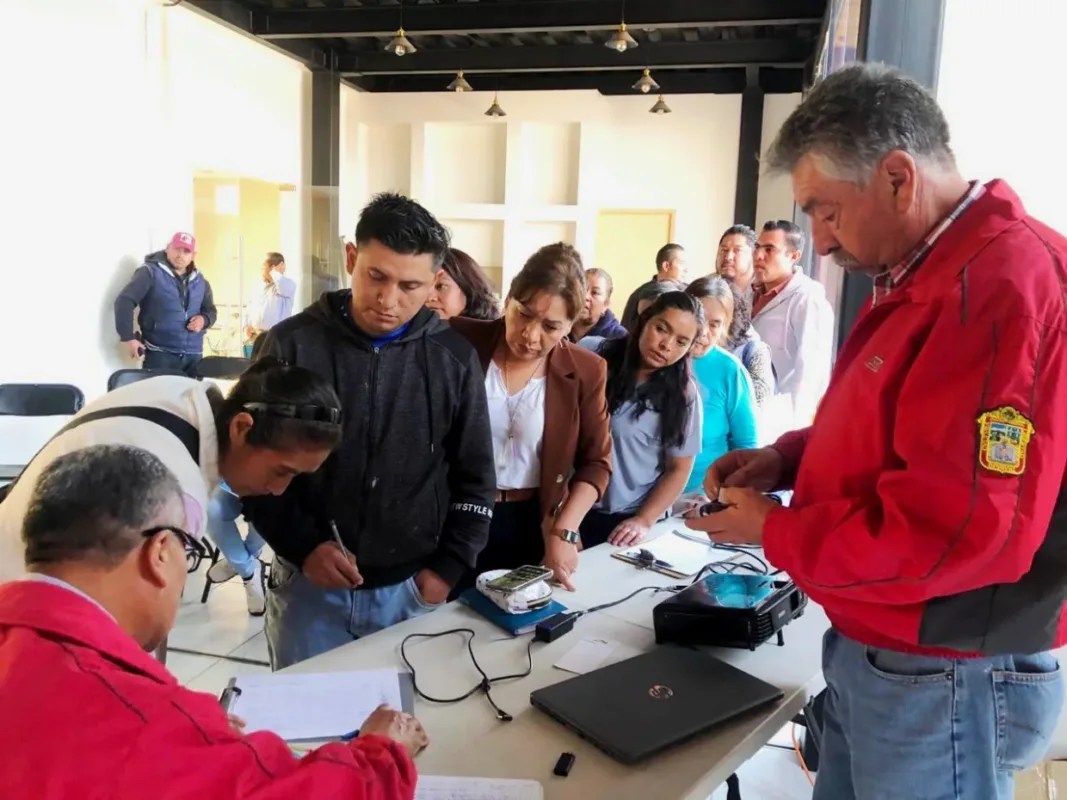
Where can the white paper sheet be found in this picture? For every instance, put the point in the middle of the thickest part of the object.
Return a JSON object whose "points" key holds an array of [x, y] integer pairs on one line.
{"points": [[431, 787], [323, 705], [586, 656]]}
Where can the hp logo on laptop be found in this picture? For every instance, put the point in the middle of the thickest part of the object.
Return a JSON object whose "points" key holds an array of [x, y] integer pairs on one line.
{"points": [[661, 693]]}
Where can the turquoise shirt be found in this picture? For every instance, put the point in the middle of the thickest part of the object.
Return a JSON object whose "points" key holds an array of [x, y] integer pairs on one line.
{"points": [[729, 410]]}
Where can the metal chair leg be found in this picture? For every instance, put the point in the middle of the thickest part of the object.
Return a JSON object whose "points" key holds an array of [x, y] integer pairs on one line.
{"points": [[215, 555]]}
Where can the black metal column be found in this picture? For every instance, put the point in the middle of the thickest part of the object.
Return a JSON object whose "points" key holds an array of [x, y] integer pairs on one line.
{"points": [[326, 256], [907, 35], [750, 141]]}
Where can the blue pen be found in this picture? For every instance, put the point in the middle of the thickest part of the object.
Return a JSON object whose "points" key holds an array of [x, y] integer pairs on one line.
{"points": [[348, 737]]}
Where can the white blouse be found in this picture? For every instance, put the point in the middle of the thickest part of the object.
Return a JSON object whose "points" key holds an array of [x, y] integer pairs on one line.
{"points": [[518, 425]]}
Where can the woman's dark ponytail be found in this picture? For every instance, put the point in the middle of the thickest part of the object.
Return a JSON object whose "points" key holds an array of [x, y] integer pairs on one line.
{"points": [[291, 408]]}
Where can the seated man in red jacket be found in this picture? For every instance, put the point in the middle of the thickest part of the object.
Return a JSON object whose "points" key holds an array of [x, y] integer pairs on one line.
{"points": [[929, 516], [89, 712]]}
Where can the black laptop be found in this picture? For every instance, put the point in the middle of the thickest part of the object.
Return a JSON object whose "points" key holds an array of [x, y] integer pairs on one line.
{"points": [[637, 708]]}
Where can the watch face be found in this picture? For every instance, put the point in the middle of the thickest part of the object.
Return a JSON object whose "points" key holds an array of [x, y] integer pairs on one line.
{"points": [[569, 536]]}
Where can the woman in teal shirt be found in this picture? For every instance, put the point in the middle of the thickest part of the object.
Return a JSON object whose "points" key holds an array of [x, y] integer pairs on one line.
{"points": [[725, 388]]}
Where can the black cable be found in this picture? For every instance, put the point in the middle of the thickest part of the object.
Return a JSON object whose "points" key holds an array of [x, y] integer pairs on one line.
{"points": [[486, 683]]}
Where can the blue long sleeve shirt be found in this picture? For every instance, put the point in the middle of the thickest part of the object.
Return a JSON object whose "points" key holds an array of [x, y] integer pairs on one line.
{"points": [[729, 410]]}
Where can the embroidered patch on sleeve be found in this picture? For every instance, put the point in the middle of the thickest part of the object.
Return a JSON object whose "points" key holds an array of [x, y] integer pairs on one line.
{"points": [[1003, 436]]}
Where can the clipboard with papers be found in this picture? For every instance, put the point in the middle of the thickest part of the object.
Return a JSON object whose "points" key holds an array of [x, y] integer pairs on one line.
{"points": [[313, 706], [675, 554]]}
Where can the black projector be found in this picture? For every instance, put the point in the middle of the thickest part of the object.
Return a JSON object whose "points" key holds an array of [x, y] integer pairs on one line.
{"points": [[729, 611]]}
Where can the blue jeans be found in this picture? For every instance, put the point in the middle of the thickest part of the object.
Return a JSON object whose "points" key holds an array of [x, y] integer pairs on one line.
{"points": [[222, 513], [908, 727], [157, 359], [304, 621]]}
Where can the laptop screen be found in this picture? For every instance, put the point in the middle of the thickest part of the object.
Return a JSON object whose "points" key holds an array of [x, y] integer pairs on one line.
{"points": [[736, 591]]}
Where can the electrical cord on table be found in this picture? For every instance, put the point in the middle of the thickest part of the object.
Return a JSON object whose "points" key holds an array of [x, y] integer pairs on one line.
{"points": [[486, 683]]}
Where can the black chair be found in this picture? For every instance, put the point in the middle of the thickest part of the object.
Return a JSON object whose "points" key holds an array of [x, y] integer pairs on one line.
{"points": [[124, 377], [40, 399], [225, 368]]}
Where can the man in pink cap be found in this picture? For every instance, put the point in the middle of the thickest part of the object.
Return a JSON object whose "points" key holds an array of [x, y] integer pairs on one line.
{"points": [[176, 307]]}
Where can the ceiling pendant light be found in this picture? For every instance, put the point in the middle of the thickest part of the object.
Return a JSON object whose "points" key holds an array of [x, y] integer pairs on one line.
{"points": [[660, 107], [400, 44], [495, 110], [646, 84], [459, 84], [622, 40]]}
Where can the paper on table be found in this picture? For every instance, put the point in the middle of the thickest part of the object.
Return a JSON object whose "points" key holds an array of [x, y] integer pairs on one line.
{"points": [[586, 656], [314, 705], [684, 555], [431, 787]]}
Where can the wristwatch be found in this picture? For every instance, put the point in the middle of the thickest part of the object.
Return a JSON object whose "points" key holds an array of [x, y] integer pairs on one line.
{"points": [[570, 537]]}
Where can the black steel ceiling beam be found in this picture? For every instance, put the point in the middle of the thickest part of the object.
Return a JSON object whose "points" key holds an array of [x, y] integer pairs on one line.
{"points": [[518, 17], [732, 52], [718, 81], [237, 16]]}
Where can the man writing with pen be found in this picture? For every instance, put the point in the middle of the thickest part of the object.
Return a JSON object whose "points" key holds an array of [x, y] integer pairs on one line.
{"points": [[401, 510], [90, 712]]}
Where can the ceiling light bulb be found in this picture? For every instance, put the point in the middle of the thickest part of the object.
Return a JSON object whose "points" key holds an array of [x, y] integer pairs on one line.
{"points": [[400, 44], [622, 40], [660, 107], [459, 84], [495, 110], [646, 83]]}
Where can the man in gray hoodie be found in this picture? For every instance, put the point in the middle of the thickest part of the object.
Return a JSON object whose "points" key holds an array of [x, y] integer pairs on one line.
{"points": [[401, 510]]}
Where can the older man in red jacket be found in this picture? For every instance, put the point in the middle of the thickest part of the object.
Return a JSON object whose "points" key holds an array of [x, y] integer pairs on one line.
{"points": [[89, 713], [929, 516]]}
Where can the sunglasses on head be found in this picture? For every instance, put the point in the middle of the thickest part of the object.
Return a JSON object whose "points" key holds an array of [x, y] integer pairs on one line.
{"points": [[195, 550]]}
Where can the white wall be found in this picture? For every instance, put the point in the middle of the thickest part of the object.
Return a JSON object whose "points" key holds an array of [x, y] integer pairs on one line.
{"points": [[102, 133], [553, 162], [775, 199], [1000, 86]]}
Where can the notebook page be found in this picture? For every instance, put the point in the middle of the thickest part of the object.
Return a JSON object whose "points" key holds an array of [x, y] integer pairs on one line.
{"points": [[314, 705], [432, 787]]}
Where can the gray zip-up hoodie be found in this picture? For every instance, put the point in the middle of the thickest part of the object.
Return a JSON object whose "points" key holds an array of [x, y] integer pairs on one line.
{"points": [[413, 483]]}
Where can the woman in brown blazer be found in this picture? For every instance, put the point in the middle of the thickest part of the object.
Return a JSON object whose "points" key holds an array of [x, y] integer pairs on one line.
{"points": [[549, 417]]}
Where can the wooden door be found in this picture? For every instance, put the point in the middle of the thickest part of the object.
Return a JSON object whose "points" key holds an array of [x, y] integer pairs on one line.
{"points": [[627, 241]]}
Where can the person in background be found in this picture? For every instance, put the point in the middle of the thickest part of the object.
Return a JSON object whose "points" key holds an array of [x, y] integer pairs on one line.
{"points": [[106, 548], [742, 340], [671, 269], [597, 318], [462, 289], [401, 511], [176, 307], [655, 420], [729, 408], [275, 301], [640, 300], [733, 261], [551, 437], [940, 564], [277, 422], [791, 314]]}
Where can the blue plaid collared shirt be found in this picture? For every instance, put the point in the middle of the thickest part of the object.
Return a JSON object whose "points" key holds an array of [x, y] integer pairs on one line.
{"points": [[886, 282]]}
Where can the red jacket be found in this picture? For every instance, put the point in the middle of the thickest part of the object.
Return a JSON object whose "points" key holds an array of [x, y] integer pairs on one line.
{"points": [[88, 714], [929, 513]]}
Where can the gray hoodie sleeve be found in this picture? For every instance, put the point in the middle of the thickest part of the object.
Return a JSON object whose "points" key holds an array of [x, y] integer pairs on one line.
{"points": [[129, 298], [471, 481]]}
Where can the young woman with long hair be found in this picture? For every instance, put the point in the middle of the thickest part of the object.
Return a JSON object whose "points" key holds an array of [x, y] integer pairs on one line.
{"points": [[655, 420], [462, 289]]}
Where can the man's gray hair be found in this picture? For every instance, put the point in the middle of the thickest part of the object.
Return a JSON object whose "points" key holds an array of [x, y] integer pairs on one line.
{"points": [[93, 505], [600, 273], [858, 115]]}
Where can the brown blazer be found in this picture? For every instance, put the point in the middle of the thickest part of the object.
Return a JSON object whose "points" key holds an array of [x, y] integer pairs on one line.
{"points": [[577, 441]]}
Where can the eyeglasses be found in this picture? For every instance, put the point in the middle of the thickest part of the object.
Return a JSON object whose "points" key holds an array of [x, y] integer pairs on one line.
{"points": [[195, 550]]}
